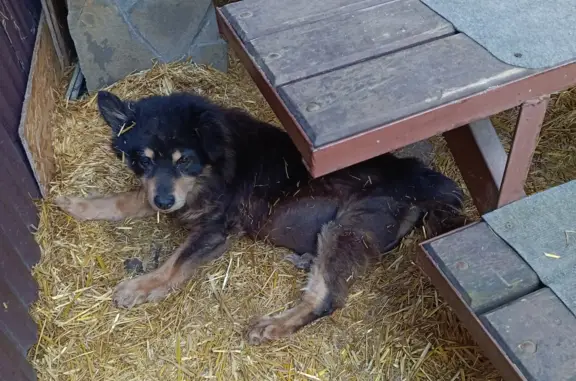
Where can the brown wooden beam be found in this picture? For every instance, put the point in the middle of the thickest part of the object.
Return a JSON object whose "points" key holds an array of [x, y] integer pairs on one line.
{"points": [[493, 178], [481, 159], [522, 150], [421, 126]]}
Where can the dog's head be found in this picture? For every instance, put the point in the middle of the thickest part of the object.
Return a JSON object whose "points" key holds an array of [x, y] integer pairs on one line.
{"points": [[174, 144]]}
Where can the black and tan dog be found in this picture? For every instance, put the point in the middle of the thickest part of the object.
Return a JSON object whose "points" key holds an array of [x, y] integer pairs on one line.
{"points": [[223, 173]]}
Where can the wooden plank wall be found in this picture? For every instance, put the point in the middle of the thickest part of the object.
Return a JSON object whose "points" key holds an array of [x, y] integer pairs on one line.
{"points": [[36, 120], [56, 12], [19, 21], [18, 215]]}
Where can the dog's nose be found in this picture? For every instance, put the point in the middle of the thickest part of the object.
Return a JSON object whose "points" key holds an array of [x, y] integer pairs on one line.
{"points": [[164, 202]]}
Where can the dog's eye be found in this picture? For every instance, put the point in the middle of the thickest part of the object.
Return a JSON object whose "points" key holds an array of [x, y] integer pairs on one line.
{"points": [[184, 161], [189, 165], [145, 162]]}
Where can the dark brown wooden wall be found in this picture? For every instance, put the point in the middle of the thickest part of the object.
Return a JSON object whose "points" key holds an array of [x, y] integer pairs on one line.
{"points": [[18, 215]]}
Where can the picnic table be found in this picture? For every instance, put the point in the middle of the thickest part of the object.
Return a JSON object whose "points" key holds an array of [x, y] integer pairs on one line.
{"points": [[353, 79], [512, 282]]}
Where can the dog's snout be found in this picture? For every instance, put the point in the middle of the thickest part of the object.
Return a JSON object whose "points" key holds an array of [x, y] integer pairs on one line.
{"points": [[164, 202]]}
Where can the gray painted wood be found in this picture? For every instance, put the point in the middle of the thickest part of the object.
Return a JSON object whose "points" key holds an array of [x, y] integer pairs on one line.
{"points": [[15, 320], [255, 18], [360, 97], [484, 269], [539, 334], [332, 43], [491, 148], [13, 364]]}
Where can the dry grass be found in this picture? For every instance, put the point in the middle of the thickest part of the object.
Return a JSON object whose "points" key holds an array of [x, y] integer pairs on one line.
{"points": [[395, 326]]}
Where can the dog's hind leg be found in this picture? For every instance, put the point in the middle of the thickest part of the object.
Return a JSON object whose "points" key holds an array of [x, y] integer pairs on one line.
{"points": [[111, 208], [200, 247], [342, 256], [301, 261]]}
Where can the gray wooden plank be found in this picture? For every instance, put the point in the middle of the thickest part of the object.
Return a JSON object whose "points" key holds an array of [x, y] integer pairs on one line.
{"points": [[15, 273], [18, 234], [13, 364], [313, 48], [13, 191], [372, 93], [255, 18], [539, 334], [56, 12], [16, 167], [482, 267], [15, 320]]}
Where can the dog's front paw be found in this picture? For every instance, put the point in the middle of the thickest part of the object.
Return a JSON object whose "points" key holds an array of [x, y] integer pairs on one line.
{"points": [[142, 289], [267, 329], [79, 208]]}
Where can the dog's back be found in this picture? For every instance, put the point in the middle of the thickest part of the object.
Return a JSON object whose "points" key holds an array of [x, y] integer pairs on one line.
{"points": [[278, 199]]}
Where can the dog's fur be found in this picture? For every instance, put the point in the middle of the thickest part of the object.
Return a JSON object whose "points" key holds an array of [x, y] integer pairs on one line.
{"points": [[224, 173]]}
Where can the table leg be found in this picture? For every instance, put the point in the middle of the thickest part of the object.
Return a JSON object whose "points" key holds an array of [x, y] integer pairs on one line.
{"points": [[493, 178], [481, 159], [523, 146]]}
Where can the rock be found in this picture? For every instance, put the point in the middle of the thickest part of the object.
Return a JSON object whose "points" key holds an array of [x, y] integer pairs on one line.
{"points": [[114, 38]]}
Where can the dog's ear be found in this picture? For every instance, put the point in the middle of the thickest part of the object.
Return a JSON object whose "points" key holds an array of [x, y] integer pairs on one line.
{"points": [[212, 135], [114, 111], [215, 140]]}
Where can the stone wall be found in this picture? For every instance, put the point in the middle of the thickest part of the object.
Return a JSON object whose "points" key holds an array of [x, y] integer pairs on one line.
{"points": [[114, 38]]}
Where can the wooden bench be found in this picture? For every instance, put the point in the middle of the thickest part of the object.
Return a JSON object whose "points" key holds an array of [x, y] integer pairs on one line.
{"points": [[353, 79], [522, 326]]}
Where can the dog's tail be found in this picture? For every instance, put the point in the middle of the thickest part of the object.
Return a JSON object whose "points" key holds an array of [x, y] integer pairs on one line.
{"points": [[442, 204], [438, 197]]}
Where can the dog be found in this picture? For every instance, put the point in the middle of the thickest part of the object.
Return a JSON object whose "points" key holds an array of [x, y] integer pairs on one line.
{"points": [[223, 173]]}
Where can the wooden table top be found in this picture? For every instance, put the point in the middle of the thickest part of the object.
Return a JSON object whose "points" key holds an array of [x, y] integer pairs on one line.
{"points": [[343, 69]]}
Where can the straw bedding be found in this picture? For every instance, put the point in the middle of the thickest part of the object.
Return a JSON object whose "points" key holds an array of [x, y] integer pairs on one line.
{"points": [[395, 326]]}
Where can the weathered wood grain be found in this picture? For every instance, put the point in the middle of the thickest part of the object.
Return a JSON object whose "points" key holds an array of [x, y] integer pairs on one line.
{"points": [[18, 234], [15, 272], [19, 172], [313, 48], [12, 80], [56, 12], [18, 251], [481, 159], [357, 98], [35, 128], [14, 319], [13, 364], [15, 194], [539, 333], [484, 269], [255, 18]]}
